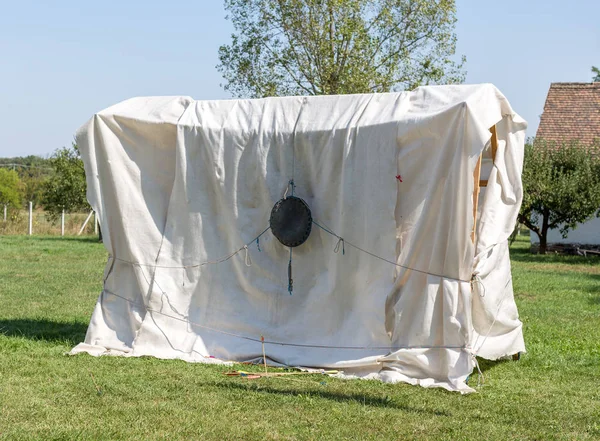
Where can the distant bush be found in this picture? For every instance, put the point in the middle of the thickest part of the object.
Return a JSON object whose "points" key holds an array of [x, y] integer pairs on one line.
{"points": [[10, 188]]}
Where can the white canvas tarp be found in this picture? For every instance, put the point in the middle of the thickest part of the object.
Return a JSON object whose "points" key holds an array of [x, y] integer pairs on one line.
{"points": [[183, 188]]}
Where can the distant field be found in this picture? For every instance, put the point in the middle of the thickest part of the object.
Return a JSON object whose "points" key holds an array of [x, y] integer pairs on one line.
{"points": [[49, 285]]}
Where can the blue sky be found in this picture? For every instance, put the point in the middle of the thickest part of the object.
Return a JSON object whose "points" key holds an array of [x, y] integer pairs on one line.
{"points": [[62, 61]]}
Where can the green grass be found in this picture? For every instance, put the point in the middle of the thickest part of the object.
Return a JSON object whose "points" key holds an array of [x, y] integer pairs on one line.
{"points": [[49, 285]]}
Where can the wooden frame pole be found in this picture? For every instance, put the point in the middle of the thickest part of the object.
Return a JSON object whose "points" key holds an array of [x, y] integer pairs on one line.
{"points": [[478, 183], [476, 176]]}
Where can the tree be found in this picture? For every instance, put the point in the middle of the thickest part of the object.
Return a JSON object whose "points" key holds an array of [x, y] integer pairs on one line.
{"points": [[32, 171], [67, 187], [10, 188], [561, 188], [33, 185], [596, 73], [316, 47]]}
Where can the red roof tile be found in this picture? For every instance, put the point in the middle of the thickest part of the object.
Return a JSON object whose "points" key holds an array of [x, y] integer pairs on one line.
{"points": [[571, 113]]}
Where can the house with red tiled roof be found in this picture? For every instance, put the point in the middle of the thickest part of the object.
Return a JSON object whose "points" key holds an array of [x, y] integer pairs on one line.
{"points": [[572, 114]]}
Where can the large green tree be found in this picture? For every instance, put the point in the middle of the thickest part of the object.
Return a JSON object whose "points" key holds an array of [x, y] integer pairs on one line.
{"points": [[10, 188], [561, 188], [596, 72], [66, 189], [316, 47]]}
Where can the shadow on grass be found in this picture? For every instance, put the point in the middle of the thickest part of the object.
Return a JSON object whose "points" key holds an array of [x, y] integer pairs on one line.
{"points": [[522, 254], [385, 402], [487, 365], [70, 333], [56, 239], [84, 239]]}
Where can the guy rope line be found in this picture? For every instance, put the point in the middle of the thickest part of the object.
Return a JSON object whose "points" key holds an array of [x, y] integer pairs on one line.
{"points": [[503, 297], [197, 265], [274, 342], [344, 241], [185, 319], [341, 241]]}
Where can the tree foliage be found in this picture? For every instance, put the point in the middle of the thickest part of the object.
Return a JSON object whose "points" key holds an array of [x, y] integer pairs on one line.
{"points": [[596, 72], [33, 171], [10, 188], [66, 189], [315, 47], [561, 188]]}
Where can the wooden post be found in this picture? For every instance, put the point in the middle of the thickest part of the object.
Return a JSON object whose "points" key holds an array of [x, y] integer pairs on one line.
{"points": [[62, 223], [95, 223], [494, 142], [476, 176], [30, 218], [478, 183], [5, 212], [87, 219]]}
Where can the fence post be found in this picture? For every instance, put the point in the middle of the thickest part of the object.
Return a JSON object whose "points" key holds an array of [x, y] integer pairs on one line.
{"points": [[30, 218], [4, 212], [87, 219], [95, 223], [62, 223]]}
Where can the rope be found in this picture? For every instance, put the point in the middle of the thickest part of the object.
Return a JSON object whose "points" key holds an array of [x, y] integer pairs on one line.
{"points": [[247, 259], [208, 262], [344, 241], [495, 319], [291, 185], [290, 279], [477, 279], [185, 319], [337, 246], [475, 350], [294, 142], [274, 342], [480, 376]]}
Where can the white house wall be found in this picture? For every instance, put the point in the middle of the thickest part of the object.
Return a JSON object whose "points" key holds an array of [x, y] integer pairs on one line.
{"points": [[587, 233]]}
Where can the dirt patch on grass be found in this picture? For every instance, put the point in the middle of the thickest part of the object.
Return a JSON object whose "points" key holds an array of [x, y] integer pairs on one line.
{"points": [[525, 295]]}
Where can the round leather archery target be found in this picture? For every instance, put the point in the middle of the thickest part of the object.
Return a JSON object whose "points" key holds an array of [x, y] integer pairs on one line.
{"points": [[291, 221]]}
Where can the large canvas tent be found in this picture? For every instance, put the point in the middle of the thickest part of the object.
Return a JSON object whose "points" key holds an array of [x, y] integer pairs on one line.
{"points": [[405, 275]]}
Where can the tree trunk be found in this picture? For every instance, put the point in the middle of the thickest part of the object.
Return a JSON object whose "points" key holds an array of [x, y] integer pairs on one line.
{"points": [[544, 233], [543, 245]]}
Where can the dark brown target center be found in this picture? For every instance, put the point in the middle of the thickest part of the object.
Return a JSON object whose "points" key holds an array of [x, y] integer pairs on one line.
{"points": [[291, 221]]}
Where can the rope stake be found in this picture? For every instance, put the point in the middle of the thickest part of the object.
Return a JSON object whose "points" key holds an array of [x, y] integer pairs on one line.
{"points": [[476, 279], [337, 246], [247, 259], [262, 341]]}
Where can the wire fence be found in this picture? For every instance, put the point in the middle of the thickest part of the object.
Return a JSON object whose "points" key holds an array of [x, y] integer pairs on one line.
{"points": [[19, 222]]}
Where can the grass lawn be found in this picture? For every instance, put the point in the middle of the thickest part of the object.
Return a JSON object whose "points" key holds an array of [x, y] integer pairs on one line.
{"points": [[49, 285]]}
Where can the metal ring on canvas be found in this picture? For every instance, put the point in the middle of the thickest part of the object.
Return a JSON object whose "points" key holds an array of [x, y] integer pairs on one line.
{"points": [[291, 221]]}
